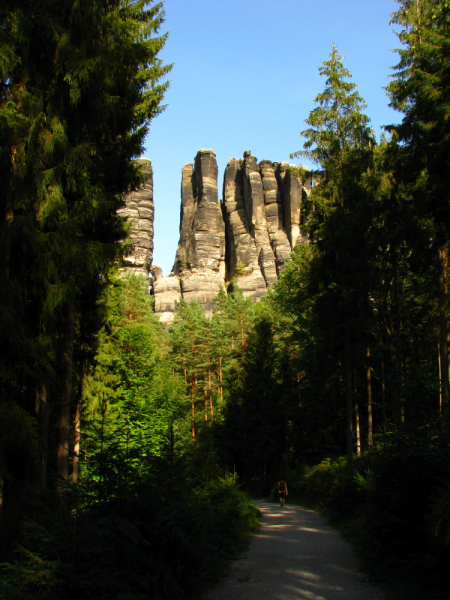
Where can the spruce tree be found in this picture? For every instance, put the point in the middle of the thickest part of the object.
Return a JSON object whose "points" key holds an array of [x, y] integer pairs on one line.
{"points": [[133, 411], [340, 142], [421, 91], [80, 83]]}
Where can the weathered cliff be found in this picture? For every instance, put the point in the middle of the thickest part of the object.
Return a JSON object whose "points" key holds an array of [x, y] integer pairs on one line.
{"points": [[247, 236], [139, 209]]}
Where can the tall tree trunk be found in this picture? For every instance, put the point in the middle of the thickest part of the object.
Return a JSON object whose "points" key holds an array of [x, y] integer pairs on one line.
{"points": [[349, 403], [358, 430], [66, 398], [193, 406], [211, 409], [42, 411], [76, 445], [369, 402], [357, 418], [220, 380], [383, 400], [444, 330], [440, 377]]}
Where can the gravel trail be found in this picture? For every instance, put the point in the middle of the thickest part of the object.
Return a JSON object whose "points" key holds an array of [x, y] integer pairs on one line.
{"points": [[295, 556]]}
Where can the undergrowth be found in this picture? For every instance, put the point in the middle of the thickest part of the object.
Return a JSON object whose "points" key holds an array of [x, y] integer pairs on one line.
{"points": [[394, 507], [152, 545]]}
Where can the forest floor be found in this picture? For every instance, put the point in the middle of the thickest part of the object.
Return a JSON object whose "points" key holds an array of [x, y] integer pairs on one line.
{"points": [[294, 556]]}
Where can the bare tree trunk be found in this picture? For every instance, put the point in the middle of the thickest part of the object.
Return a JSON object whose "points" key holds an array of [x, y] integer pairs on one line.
{"points": [[349, 405], [358, 430], [42, 411], [211, 409], [76, 445], [220, 380], [369, 402], [441, 405], [193, 407], [357, 418], [383, 400], [444, 331], [66, 398]]}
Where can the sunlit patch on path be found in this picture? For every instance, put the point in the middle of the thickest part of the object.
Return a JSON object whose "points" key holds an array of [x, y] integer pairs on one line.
{"points": [[295, 556]]}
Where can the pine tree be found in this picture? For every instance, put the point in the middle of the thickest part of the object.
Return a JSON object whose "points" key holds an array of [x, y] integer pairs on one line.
{"points": [[421, 90], [233, 318], [191, 354]]}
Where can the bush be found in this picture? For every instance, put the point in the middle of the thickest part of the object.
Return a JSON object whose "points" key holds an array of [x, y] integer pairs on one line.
{"points": [[146, 547], [395, 506]]}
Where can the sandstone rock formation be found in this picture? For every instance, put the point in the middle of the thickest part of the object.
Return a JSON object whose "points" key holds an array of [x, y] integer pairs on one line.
{"points": [[199, 265], [248, 236], [167, 291], [139, 209]]}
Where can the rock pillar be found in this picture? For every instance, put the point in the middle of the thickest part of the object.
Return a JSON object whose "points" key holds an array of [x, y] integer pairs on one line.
{"points": [[139, 209]]}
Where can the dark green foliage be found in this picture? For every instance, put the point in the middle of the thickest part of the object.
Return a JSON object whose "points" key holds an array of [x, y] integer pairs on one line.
{"points": [[152, 515], [252, 437], [134, 415], [79, 85], [341, 356], [393, 506], [166, 541], [420, 90]]}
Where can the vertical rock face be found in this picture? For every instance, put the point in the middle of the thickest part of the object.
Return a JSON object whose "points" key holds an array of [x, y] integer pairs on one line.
{"points": [[291, 198], [256, 212], [199, 265], [139, 209], [248, 236], [262, 210], [274, 213], [241, 250], [167, 291]]}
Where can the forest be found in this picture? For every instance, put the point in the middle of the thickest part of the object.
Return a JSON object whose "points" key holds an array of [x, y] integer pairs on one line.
{"points": [[129, 453]]}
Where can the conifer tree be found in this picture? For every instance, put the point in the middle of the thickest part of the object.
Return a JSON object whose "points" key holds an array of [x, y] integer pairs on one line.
{"points": [[339, 141], [80, 83], [233, 316], [189, 343], [420, 89], [133, 412]]}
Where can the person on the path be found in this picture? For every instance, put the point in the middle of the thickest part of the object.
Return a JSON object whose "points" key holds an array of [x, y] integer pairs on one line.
{"points": [[282, 491]]}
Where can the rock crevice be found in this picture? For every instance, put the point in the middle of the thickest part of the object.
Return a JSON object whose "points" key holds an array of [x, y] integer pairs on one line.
{"points": [[247, 236]]}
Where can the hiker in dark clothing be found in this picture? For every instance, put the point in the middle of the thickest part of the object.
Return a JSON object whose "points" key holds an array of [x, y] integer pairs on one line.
{"points": [[282, 491]]}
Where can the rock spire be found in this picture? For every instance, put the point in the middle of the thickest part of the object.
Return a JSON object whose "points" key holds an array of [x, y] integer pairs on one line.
{"points": [[139, 209], [247, 236]]}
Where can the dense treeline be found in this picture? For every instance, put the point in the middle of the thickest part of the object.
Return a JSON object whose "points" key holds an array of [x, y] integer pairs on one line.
{"points": [[66, 153], [101, 491], [122, 445], [147, 512], [352, 344]]}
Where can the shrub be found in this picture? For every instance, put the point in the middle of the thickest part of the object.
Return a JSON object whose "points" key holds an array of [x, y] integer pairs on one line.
{"points": [[395, 506], [147, 546]]}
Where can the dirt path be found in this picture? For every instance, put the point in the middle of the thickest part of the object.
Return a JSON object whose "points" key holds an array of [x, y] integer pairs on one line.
{"points": [[295, 556]]}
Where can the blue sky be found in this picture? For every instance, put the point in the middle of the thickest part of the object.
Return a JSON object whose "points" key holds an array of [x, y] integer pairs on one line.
{"points": [[245, 77]]}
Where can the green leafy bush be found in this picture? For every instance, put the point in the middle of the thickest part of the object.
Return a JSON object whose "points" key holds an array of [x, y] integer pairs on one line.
{"points": [[151, 546]]}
